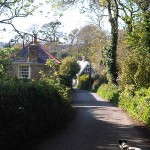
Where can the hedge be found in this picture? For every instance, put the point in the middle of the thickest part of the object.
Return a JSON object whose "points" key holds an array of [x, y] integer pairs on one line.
{"points": [[84, 82], [109, 92], [137, 104], [29, 109]]}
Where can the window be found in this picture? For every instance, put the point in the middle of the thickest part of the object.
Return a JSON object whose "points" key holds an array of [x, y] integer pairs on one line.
{"points": [[87, 69], [24, 71]]}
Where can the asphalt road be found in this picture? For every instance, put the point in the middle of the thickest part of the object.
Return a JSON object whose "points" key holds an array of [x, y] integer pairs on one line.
{"points": [[98, 125]]}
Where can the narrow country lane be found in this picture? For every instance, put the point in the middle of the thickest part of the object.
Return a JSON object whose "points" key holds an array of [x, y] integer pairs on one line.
{"points": [[97, 126]]}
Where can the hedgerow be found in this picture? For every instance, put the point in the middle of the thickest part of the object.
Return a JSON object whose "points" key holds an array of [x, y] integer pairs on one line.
{"points": [[109, 92], [84, 82], [29, 109], [138, 105]]}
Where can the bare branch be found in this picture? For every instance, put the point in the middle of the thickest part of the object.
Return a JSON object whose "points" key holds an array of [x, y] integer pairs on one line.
{"points": [[10, 9]]}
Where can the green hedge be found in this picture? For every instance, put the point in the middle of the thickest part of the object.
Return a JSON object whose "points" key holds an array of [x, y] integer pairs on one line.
{"points": [[30, 108], [109, 92], [137, 104], [84, 82]]}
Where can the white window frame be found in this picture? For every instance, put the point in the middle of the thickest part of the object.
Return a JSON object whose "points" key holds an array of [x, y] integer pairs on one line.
{"points": [[19, 71]]}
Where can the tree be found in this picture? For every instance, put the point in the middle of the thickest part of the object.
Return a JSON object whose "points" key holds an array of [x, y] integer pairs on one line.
{"points": [[5, 60], [12, 9], [68, 70], [91, 41], [131, 12], [122, 49], [113, 15], [111, 63], [136, 69], [50, 31]]}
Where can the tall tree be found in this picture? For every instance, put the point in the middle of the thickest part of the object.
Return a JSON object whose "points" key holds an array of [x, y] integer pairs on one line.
{"points": [[89, 41], [122, 50], [113, 14], [132, 12], [136, 69], [50, 31]]}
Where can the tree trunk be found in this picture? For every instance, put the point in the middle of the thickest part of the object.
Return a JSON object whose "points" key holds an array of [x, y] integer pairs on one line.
{"points": [[111, 62]]}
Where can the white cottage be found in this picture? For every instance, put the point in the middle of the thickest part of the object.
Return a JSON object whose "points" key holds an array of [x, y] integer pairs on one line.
{"points": [[85, 67]]}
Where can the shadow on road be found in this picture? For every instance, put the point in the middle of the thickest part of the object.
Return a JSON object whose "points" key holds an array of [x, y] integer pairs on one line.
{"points": [[98, 125], [108, 122], [83, 98]]}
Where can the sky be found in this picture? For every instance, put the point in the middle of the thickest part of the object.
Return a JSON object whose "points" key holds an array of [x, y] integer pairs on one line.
{"points": [[71, 19]]}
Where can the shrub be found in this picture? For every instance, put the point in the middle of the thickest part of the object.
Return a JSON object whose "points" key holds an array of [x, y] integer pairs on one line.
{"points": [[138, 105], [84, 82], [68, 70], [136, 67], [30, 108], [97, 81], [95, 85], [5, 60], [136, 71], [109, 92]]}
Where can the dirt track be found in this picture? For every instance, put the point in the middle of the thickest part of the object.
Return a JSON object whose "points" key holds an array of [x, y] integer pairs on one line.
{"points": [[97, 126]]}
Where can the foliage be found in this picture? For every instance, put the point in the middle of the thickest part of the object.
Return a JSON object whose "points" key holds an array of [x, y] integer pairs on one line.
{"points": [[63, 73], [122, 50], [110, 92], [136, 71], [110, 49], [68, 70], [5, 60], [138, 105], [84, 82], [15, 8], [50, 32], [29, 109], [89, 41], [111, 53], [136, 68], [60, 54], [97, 81], [95, 85]]}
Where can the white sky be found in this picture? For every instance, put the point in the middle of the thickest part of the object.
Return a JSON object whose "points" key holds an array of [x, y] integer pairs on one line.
{"points": [[71, 19]]}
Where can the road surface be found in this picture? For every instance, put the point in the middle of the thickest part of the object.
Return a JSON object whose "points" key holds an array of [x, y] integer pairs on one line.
{"points": [[98, 125]]}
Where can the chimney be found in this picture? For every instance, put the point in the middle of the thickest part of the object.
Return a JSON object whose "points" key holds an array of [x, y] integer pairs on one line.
{"points": [[34, 38], [33, 53], [33, 50], [83, 58]]}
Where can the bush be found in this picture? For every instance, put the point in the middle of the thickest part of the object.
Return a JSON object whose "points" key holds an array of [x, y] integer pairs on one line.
{"points": [[30, 108], [97, 81], [138, 105], [109, 92], [95, 85], [136, 71], [84, 82], [68, 70], [136, 67]]}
